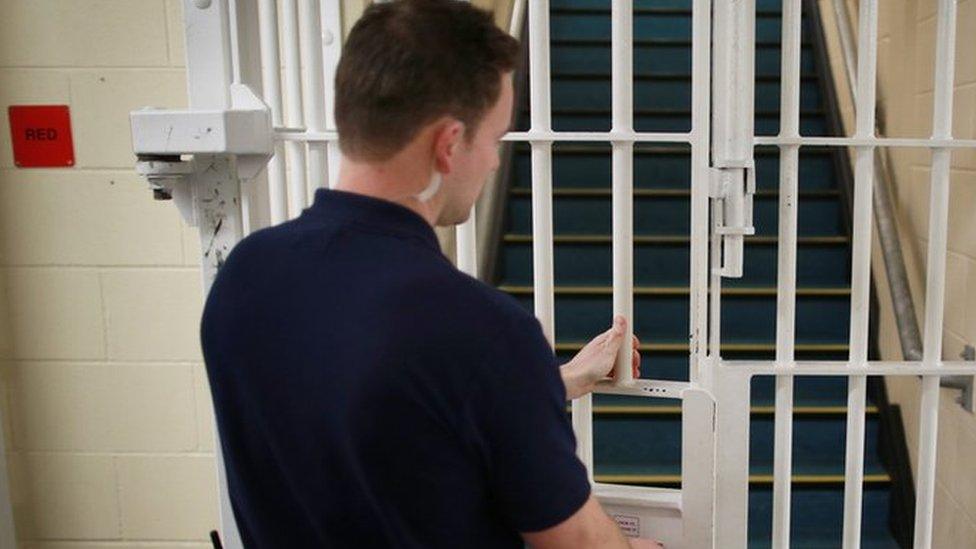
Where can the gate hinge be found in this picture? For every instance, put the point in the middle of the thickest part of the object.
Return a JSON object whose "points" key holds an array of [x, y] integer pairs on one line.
{"points": [[732, 189]]}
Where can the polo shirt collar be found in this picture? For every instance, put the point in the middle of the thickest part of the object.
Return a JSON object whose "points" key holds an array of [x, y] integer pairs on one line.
{"points": [[375, 212]]}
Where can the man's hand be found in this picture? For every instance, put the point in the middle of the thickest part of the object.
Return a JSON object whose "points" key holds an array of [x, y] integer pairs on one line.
{"points": [[595, 361]]}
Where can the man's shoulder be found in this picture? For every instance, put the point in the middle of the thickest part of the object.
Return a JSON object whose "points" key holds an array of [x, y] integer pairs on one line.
{"points": [[471, 293]]}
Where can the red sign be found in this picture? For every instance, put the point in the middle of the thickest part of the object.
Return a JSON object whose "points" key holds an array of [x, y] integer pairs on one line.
{"points": [[41, 135]]}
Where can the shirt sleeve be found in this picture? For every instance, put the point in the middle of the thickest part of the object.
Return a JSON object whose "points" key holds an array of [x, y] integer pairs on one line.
{"points": [[521, 425]]}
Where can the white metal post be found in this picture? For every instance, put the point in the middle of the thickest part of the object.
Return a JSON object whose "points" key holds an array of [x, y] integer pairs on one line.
{"points": [[294, 112], [271, 84], [733, 82], [861, 272], [622, 91], [786, 272], [209, 75], [332, 50], [935, 272], [700, 144], [313, 92]]}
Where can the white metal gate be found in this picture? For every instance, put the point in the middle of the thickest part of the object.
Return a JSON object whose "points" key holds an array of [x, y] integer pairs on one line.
{"points": [[237, 124]]}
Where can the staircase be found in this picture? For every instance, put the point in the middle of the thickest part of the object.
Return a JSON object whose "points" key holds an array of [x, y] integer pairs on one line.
{"points": [[637, 441]]}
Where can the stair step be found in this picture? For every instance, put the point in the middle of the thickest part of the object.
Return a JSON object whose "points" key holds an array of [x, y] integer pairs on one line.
{"points": [[580, 259], [587, 165], [676, 291], [668, 410], [591, 95], [745, 316], [650, 444], [762, 6], [586, 192], [659, 56], [812, 123], [732, 347], [651, 95], [671, 480], [839, 240], [581, 23], [669, 215], [589, 74]]}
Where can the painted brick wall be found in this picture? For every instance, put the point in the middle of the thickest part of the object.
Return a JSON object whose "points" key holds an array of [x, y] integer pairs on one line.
{"points": [[106, 412]]}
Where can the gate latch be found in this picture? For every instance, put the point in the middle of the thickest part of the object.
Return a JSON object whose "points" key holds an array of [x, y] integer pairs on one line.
{"points": [[731, 189]]}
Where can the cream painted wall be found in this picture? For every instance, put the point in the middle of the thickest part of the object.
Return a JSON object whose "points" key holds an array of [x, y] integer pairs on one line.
{"points": [[107, 416], [906, 57]]}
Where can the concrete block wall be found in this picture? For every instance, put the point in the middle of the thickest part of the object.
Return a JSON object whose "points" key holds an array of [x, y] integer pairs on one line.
{"points": [[107, 417]]}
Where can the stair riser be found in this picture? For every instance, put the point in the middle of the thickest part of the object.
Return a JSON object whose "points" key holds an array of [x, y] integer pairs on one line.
{"points": [[668, 265], [662, 58], [663, 170], [663, 94], [818, 216], [765, 124], [651, 445], [665, 318]]}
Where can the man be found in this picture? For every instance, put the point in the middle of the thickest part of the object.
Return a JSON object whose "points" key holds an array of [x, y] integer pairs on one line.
{"points": [[367, 393]]}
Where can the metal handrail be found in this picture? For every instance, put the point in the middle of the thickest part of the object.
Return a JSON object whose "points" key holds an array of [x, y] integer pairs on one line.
{"points": [[906, 320]]}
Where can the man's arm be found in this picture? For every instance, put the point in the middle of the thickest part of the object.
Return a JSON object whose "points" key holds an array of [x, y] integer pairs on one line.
{"points": [[588, 528]]}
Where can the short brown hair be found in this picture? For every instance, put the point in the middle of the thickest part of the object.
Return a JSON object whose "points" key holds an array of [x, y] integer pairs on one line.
{"points": [[407, 63]]}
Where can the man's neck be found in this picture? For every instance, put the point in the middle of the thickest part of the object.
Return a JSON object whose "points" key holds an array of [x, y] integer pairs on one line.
{"points": [[392, 181]]}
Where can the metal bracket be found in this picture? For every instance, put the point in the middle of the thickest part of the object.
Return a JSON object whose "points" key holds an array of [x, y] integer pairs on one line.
{"points": [[732, 188], [162, 138], [967, 399]]}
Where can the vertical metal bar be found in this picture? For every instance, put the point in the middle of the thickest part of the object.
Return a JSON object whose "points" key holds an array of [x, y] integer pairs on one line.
{"points": [[700, 140], [332, 49], [542, 240], [313, 91], [861, 271], [271, 84], [622, 92], [294, 114], [935, 270], [209, 75], [467, 244], [236, 79], [786, 271]]}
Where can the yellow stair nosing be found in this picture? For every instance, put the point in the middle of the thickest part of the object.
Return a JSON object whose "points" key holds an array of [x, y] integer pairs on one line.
{"points": [[753, 479], [639, 410], [668, 239], [742, 347], [676, 290], [643, 192]]}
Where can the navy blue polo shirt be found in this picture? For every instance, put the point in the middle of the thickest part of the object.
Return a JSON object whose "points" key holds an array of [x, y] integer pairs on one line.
{"points": [[369, 394]]}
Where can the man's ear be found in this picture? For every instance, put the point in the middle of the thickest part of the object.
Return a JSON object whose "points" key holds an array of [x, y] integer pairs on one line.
{"points": [[447, 138]]}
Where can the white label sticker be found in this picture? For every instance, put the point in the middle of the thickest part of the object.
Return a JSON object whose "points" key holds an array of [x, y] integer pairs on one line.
{"points": [[628, 524]]}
